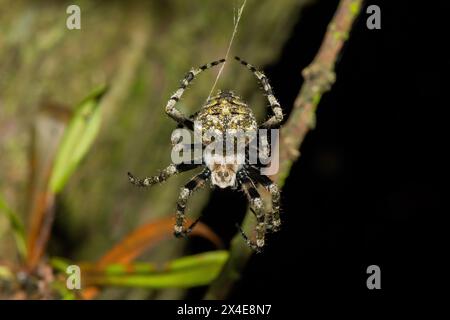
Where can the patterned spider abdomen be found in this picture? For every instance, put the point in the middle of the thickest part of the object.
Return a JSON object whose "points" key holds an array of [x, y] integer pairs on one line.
{"points": [[225, 114]]}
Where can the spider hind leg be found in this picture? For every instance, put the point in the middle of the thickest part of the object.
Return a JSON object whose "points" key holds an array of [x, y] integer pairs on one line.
{"points": [[273, 218], [195, 183], [257, 207]]}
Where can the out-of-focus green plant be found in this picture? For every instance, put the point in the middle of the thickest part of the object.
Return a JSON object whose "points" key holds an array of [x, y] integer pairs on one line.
{"points": [[116, 267], [77, 139], [16, 226], [75, 143], [194, 270], [142, 239]]}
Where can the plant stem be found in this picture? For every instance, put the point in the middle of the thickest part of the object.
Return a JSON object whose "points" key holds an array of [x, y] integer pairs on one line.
{"points": [[319, 77]]}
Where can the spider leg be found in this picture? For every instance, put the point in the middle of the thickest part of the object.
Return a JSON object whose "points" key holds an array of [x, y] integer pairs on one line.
{"points": [[165, 174], [275, 120], [186, 192], [173, 112], [257, 208], [274, 221], [259, 154]]}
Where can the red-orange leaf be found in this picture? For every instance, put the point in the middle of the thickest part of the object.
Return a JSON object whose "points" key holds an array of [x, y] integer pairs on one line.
{"points": [[147, 236], [48, 130]]}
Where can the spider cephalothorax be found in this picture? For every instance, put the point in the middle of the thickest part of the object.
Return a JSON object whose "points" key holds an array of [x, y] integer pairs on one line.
{"points": [[225, 115]]}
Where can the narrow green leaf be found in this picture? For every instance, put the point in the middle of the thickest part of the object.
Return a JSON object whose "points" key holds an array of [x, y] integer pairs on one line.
{"points": [[16, 226], [77, 139], [195, 270]]}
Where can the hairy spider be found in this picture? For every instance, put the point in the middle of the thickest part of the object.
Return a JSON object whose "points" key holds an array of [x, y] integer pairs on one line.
{"points": [[222, 112]]}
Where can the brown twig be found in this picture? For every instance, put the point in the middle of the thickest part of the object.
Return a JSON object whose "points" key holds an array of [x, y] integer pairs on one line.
{"points": [[319, 77]]}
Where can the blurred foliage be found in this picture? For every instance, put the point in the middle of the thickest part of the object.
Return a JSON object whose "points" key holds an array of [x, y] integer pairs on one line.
{"points": [[34, 278], [77, 139], [68, 149], [141, 50], [194, 270], [16, 226]]}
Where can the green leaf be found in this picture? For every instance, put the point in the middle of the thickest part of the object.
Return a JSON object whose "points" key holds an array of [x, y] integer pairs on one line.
{"points": [[77, 139], [16, 225], [195, 270]]}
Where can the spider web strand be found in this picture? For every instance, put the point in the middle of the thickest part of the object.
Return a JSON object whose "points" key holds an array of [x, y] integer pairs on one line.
{"points": [[236, 24]]}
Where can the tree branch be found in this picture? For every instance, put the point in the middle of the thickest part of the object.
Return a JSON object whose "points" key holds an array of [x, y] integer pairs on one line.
{"points": [[319, 77]]}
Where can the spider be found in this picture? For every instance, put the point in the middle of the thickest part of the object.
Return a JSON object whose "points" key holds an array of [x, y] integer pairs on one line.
{"points": [[224, 111]]}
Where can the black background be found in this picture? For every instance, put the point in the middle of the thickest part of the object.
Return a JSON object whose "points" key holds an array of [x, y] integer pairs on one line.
{"points": [[366, 189]]}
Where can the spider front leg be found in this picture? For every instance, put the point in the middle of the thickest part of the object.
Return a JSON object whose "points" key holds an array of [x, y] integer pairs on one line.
{"points": [[173, 112], [277, 118], [257, 206], [186, 192], [165, 174]]}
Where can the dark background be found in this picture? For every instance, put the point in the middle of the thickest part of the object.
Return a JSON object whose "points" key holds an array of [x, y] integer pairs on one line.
{"points": [[366, 189]]}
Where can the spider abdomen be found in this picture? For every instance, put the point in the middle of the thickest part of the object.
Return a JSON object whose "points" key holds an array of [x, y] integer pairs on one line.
{"points": [[225, 114]]}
